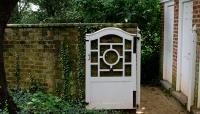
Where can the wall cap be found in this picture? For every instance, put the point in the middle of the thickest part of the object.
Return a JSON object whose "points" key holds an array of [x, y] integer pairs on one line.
{"points": [[60, 25]]}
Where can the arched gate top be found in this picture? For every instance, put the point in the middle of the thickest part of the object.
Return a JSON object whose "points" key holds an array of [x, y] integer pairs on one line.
{"points": [[110, 31]]}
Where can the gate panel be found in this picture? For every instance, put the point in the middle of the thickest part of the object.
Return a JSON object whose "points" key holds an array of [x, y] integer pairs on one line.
{"points": [[110, 69]]}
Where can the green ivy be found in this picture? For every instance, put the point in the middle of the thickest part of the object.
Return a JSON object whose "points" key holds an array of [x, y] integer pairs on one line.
{"points": [[65, 63], [17, 72], [5, 109], [81, 62], [34, 85], [41, 103]]}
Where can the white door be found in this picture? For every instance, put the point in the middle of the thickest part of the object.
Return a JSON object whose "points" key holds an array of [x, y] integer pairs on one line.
{"points": [[111, 69], [168, 41], [187, 50]]}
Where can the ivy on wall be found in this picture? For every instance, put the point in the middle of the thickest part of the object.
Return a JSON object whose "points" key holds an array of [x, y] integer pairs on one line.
{"points": [[81, 62], [17, 72], [65, 62]]}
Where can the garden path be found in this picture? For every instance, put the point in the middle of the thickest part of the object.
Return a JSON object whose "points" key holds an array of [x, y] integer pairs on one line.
{"points": [[155, 101]]}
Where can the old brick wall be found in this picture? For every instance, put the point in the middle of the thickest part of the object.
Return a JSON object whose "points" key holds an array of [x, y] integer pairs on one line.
{"points": [[196, 21], [175, 42], [161, 38], [38, 48]]}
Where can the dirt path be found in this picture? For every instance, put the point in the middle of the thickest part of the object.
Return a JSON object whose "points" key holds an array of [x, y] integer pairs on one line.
{"points": [[155, 101]]}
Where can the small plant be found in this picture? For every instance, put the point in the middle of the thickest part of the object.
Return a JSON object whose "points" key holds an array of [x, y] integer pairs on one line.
{"points": [[34, 85], [5, 109], [41, 103]]}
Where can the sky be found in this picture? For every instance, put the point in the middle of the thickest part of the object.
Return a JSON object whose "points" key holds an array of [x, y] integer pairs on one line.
{"points": [[34, 7]]}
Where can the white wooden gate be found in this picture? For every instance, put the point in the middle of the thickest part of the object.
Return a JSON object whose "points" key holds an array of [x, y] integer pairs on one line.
{"points": [[112, 75]]}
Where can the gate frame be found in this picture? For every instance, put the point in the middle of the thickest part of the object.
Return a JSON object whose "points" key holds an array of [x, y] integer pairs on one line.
{"points": [[138, 64], [179, 61]]}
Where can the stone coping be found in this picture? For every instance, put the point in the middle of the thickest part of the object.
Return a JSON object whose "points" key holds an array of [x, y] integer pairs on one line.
{"points": [[58, 25]]}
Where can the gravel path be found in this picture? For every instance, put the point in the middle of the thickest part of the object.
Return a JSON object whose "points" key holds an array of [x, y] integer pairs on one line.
{"points": [[155, 101]]}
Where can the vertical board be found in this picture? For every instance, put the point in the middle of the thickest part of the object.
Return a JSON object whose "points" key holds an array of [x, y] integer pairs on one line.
{"points": [[187, 47], [168, 41], [186, 52]]}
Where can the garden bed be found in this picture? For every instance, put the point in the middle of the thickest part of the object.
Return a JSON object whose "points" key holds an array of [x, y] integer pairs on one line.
{"points": [[42, 103]]}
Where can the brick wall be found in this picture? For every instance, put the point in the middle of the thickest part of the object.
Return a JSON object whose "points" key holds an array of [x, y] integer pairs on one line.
{"points": [[175, 42], [161, 39], [196, 21], [38, 48]]}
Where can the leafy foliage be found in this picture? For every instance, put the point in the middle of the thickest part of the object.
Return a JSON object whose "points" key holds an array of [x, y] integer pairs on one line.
{"points": [[5, 109], [81, 62], [146, 13], [34, 85], [53, 11], [44, 103], [65, 63], [17, 72]]}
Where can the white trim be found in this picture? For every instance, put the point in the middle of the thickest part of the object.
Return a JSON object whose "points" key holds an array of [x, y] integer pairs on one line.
{"points": [[87, 69], [192, 80], [109, 30], [164, 1], [138, 67], [178, 79], [104, 57], [168, 4]]}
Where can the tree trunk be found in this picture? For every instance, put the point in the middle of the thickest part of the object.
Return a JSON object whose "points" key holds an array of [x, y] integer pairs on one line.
{"points": [[6, 7]]}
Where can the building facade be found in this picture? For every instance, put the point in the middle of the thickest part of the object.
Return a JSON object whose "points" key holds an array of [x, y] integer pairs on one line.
{"points": [[180, 42]]}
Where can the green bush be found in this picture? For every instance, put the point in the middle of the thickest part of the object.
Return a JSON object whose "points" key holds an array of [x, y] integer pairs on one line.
{"points": [[41, 103], [5, 109]]}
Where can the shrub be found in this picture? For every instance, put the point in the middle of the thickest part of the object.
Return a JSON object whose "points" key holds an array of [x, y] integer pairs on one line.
{"points": [[44, 104]]}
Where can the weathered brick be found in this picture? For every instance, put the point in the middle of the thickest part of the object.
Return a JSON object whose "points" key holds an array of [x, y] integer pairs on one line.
{"points": [[38, 46]]}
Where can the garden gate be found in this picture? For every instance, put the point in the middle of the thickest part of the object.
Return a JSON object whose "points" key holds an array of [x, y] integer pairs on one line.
{"points": [[112, 69]]}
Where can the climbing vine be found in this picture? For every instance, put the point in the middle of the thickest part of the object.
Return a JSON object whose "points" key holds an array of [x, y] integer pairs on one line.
{"points": [[17, 72], [81, 62], [65, 63]]}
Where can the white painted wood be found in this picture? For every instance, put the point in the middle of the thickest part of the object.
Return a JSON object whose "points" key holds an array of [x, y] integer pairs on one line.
{"points": [[116, 92], [138, 66], [192, 81], [111, 95], [87, 71], [110, 30], [124, 54], [186, 47], [164, 1], [186, 52], [168, 41]]}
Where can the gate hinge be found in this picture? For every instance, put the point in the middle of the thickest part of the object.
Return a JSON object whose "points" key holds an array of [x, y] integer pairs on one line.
{"points": [[86, 40], [135, 44], [134, 99]]}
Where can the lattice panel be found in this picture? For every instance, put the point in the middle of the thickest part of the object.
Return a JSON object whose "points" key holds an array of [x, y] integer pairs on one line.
{"points": [[111, 56]]}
